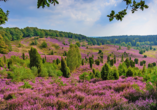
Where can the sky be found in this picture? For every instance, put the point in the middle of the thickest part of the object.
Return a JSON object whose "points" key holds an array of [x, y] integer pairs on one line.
{"points": [[86, 17]]}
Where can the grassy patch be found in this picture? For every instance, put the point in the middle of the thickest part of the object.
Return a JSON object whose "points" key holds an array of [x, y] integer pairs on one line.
{"points": [[150, 53]]}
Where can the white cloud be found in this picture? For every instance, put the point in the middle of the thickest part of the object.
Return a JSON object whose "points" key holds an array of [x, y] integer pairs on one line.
{"points": [[82, 17], [139, 23]]}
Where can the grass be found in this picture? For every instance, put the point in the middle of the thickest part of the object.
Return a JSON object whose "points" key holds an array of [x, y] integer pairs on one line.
{"points": [[150, 53]]}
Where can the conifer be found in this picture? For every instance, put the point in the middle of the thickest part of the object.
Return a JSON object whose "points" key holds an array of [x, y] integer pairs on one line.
{"points": [[105, 72], [35, 59], [23, 56], [64, 68]]}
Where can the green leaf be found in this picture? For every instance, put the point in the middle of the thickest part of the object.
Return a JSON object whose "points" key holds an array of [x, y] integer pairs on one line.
{"points": [[146, 6]]}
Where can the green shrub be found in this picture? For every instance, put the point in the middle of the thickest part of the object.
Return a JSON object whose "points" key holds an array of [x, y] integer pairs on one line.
{"points": [[154, 64], [59, 73], [43, 72], [132, 64], [97, 62], [43, 60], [10, 75], [115, 73], [150, 65], [20, 74], [57, 61], [122, 69], [26, 85], [65, 53], [84, 76], [130, 72], [145, 56], [136, 61], [54, 61], [78, 44], [34, 70], [127, 62], [100, 51], [91, 75], [43, 45], [98, 74], [141, 63]]}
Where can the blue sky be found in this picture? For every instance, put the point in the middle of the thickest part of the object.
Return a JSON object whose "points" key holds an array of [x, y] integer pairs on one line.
{"points": [[87, 17]]}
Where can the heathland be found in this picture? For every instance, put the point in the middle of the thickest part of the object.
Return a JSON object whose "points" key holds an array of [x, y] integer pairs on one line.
{"points": [[52, 70]]}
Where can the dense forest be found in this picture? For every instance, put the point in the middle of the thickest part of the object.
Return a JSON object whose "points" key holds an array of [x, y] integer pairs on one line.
{"points": [[135, 40], [15, 33]]}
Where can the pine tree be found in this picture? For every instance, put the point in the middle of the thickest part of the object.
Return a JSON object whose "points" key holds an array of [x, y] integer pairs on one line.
{"points": [[82, 61], [91, 61], [105, 72], [115, 73], [111, 62], [114, 59], [57, 61], [122, 58], [35, 59], [23, 56], [78, 56], [10, 62], [73, 57], [64, 68], [127, 62], [94, 72], [108, 59], [43, 60]]}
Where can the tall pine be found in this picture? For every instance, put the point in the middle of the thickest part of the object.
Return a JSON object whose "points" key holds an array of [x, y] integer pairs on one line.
{"points": [[106, 72], [35, 59], [73, 57], [64, 68]]}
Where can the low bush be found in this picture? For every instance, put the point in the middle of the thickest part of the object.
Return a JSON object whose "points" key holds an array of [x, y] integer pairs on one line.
{"points": [[84, 76], [97, 62], [130, 72], [43, 45], [26, 85]]}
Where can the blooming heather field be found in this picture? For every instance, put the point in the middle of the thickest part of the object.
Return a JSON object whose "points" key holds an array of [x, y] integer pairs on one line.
{"points": [[60, 93]]}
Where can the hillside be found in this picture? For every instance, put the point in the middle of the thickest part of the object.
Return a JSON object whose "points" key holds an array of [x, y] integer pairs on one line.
{"points": [[54, 91]]}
